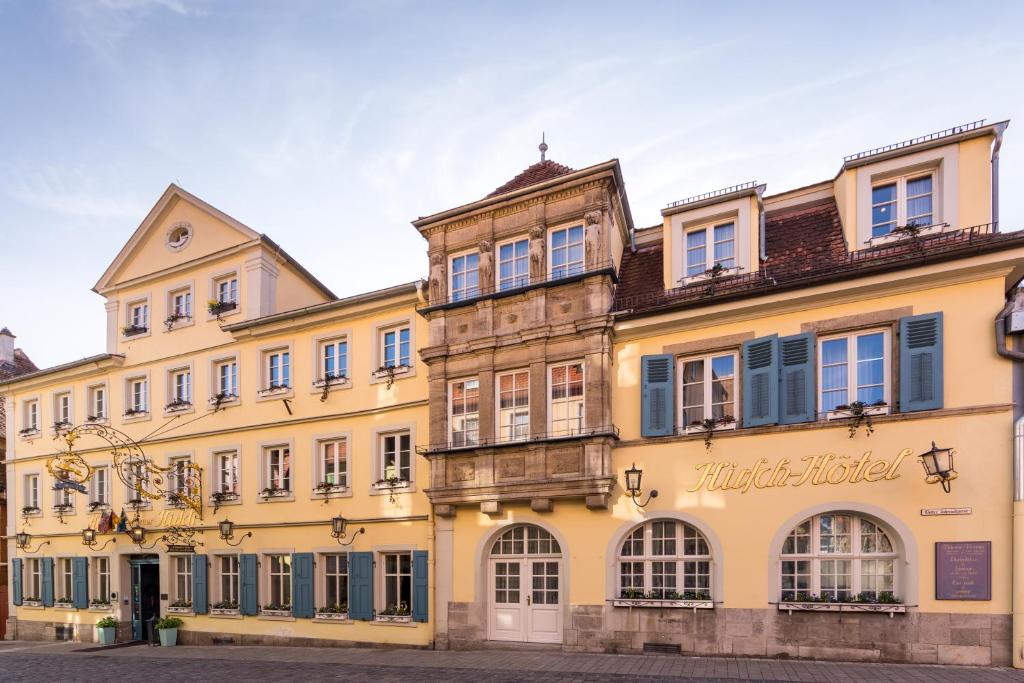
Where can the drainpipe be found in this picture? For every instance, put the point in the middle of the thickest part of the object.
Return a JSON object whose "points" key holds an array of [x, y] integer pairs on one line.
{"points": [[1016, 306], [996, 146], [760, 223]]}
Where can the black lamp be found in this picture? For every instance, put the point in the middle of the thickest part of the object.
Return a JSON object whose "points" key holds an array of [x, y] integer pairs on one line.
{"points": [[634, 477], [23, 539], [89, 540], [338, 525], [138, 535], [938, 466], [227, 532]]}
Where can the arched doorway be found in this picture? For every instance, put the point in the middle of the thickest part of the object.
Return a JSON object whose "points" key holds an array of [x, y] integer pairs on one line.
{"points": [[524, 600]]}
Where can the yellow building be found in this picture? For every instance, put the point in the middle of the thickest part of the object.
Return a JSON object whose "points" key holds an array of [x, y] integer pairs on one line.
{"points": [[701, 436]]}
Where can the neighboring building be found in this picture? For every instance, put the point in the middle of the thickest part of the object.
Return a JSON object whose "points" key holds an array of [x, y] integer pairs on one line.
{"points": [[13, 362], [772, 364]]}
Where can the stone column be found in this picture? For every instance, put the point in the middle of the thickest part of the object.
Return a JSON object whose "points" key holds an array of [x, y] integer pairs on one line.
{"points": [[438, 406], [261, 287], [443, 573], [487, 400], [113, 330], [538, 397]]}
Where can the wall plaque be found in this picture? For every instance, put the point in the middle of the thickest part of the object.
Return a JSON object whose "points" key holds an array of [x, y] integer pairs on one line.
{"points": [[963, 570], [933, 512]]}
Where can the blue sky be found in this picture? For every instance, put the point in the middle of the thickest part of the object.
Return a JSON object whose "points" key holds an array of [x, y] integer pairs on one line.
{"points": [[331, 125]]}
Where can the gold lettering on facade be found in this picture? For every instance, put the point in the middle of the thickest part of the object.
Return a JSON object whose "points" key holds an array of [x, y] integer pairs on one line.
{"points": [[826, 468]]}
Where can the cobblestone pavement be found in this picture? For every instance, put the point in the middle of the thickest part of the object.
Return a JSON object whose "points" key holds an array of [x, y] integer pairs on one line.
{"points": [[25, 661]]}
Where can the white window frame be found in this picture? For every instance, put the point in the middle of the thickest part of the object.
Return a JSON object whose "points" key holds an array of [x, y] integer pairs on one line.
{"points": [[215, 376], [181, 301], [466, 436], [582, 399], [707, 381], [571, 268], [855, 557], [900, 181], [64, 497], [684, 534], [323, 579], [130, 403], [145, 317], [93, 402], [215, 295], [383, 576], [708, 229], [382, 333], [320, 445], [181, 567], [233, 576], [31, 417], [100, 578], [99, 486], [500, 428], [63, 408], [267, 364], [283, 578], [234, 485], [32, 581], [33, 486], [286, 452], [337, 343], [851, 369], [513, 281], [184, 373], [177, 476], [63, 582], [380, 468], [464, 293]]}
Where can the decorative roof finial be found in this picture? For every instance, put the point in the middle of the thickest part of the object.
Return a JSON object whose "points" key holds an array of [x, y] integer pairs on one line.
{"points": [[543, 146]]}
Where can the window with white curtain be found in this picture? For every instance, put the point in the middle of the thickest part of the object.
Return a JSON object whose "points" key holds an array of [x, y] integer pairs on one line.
{"points": [[854, 367], [664, 559], [907, 200], [710, 246]]}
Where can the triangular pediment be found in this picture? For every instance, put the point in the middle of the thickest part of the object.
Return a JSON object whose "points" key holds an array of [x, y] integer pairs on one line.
{"points": [[180, 228]]}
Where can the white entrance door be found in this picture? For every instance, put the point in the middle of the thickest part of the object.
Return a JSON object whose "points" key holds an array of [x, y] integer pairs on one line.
{"points": [[525, 601]]}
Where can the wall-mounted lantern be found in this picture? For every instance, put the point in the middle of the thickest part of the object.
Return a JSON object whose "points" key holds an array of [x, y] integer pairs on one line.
{"points": [[227, 532], [23, 539], [634, 478], [338, 530], [138, 535], [89, 540], [938, 466]]}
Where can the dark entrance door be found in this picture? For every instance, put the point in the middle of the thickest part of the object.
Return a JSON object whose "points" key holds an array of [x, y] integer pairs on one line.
{"points": [[145, 592]]}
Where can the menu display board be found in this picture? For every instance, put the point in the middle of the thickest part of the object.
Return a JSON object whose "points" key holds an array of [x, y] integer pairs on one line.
{"points": [[963, 570]]}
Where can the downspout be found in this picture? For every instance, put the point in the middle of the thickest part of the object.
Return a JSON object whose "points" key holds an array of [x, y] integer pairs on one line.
{"points": [[763, 249], [996, 146]]}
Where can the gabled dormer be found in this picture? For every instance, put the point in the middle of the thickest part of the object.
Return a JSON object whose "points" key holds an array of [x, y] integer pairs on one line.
{"points": [[190, 265], [713, 235]]}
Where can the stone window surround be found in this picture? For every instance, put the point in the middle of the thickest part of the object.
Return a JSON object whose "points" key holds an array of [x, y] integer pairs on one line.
{"points": [[943, 161], [58, 495], [23, 415], [317, 469], [888, 363], [131, 303], [215, 280], [551, 365], [169, 292], [94, 578], [378, 348], [899, 533], [214, 586], [549, 242], [378, 458], [215, 363], [109, 483], [90, 398], [127, 383], [619, 536], [264, 353], [172, 458], [215, 471], [320, 572], [316, 348], [264, 447], [170, 386], [497, 374], [379, 589], [263, 591], [736, 210], [54, 404], [38, 474], [481, 286]]}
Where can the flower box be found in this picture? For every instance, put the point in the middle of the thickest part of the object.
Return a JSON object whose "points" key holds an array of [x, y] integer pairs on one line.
{"points": [[332, 380], [29, 432], [32, 603], [868, 410], [882, 608], [391, 371], [224, 611], [699, 429], [900, 235], [274, 493], [274, 390], [218, 308], [708, 275], [180, 610], [223, 399], [667, 604], [178, 406], [275, 612], [64, 605], [133, 330], [100, 607], [393, 618], [331, 616], [133, 413]]}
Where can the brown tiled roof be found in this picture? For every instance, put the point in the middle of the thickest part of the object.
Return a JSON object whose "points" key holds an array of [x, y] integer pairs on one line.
{"points": [[538, 173], [804, 247], [22, 365]]}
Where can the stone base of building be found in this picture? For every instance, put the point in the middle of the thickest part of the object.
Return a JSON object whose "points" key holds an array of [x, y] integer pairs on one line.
{"points": [[913, 637]]}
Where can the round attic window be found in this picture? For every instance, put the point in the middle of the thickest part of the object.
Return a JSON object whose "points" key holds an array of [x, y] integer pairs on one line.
{"points": [[178, 236]]}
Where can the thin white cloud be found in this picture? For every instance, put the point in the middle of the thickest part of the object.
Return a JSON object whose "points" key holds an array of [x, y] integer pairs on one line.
{"points": [[69, 192]]}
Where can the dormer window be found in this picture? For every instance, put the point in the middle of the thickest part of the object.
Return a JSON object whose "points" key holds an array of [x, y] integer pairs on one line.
{"points": [[465, 276], [903, 201], [702, 256]]}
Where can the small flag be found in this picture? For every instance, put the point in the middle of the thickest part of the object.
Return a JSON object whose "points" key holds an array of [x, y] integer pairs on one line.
{"points": [[104, 523], [122, 523]]}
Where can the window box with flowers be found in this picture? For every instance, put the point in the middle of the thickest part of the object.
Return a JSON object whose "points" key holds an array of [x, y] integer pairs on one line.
{"points": [[275, 610], [134, 330], [859, 413], [135, 412], [389, 373], [218, 308], [98, 605], [332, 613], [98, 506], [34, 602], [28, 432], [178, 405], [225, 608], [171, 321], [59, 428], [95, 419], [670, 599], [64, 603], [274, 492], [325, 488], [395, 614], [219, 498], [883, 602], [180, 607], [30, 511], [222, 399], [274, 390]]}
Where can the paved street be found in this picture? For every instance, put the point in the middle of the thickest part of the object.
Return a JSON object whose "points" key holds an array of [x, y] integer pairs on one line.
{"points": [[25, 661]]}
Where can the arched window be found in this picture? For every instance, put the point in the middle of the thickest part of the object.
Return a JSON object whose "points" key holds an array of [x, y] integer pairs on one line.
{"points": [[665, 560], [526, 539], [839, 557]]}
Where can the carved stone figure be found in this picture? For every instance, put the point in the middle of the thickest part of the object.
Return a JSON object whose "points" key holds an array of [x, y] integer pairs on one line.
{"points": [[592, 238], [538, 237], [436, 278], [486, 265]]}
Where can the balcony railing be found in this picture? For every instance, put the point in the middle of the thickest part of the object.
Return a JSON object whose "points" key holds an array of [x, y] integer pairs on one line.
{"points": [[749, 185], [519, 284], [534, 437], [955, 130]]}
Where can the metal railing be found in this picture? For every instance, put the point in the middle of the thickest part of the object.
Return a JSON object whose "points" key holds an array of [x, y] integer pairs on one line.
{"points": [[955, 130], [525, 440], [714, 193], [519, 284]]}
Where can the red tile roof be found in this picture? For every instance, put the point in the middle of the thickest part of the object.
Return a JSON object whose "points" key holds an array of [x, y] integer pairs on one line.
{"points": [[804, 247], [538, 173], [22, 365]]}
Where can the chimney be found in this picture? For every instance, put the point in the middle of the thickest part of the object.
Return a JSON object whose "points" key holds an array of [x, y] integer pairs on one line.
{"points": [[6, 346]]}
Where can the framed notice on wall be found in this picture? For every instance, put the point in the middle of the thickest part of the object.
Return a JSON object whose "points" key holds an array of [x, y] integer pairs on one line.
{"points": [[963, 570]]}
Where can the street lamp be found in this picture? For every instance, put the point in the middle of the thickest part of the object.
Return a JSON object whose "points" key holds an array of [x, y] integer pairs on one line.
{"points": [[23, 539], [634, 476], [227, 532], [138, 535], [89, 540], [338, 525], [938, 466]]}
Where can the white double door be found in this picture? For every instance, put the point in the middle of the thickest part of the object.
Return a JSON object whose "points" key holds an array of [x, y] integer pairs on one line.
{"points": [[525, 600]]}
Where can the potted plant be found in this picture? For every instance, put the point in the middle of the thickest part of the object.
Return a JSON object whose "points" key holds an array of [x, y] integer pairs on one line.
{"points": [[106, 629], [168, 628]]}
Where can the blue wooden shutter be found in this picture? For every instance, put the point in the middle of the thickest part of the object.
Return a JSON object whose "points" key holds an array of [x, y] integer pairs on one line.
{"points": [[16, 580], [302, 585], [360, 586], [657, 395], [761, 381], [247, 577], [420, 591], [47, 596], [921, 362], [80, 582], [797, 382], [200, 585]]}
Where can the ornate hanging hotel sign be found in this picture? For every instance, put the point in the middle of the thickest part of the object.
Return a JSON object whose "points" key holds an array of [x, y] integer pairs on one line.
{"points": [[963, 570], [815, 470]]}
